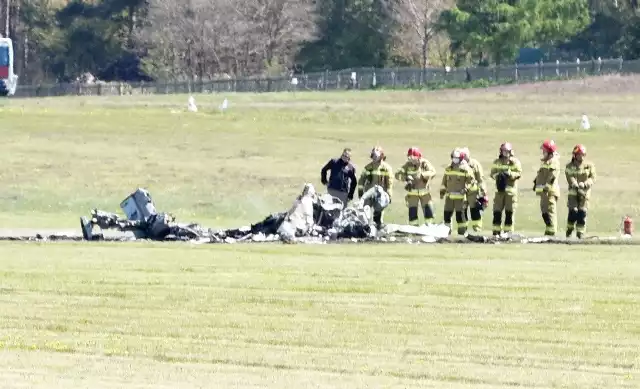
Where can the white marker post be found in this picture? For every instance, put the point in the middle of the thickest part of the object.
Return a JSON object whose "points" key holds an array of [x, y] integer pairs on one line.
{"points": [[225, 104], [191, 104], [585, 123], [294, 82]]}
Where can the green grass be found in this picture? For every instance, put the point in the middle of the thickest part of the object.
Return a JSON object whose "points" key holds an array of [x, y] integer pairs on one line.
{"points": [[65, 156], [351, 316], [443, 316]]}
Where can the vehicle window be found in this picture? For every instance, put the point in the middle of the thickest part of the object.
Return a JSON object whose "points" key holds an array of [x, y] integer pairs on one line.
{"points": [[4, 56]]}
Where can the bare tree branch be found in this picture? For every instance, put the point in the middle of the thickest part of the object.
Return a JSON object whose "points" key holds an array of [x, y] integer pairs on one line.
{"points": [[418, 17]]}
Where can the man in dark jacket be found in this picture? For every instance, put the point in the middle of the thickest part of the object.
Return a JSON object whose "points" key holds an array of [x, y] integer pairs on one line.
{"points": [[342, 181]]}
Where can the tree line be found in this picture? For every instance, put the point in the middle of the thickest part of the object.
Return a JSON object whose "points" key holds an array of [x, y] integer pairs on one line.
{"points": [[143, 40]]}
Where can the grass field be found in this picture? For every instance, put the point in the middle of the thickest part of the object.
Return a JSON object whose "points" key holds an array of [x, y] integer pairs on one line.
{"points": [[442, 316]]}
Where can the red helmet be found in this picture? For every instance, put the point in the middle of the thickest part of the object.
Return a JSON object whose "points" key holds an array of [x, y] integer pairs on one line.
{"points": [[549, 146], [414, 152], [579, 150]]}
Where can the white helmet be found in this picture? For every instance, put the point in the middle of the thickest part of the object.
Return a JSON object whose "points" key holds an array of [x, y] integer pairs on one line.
{"points": [[455, 156]]}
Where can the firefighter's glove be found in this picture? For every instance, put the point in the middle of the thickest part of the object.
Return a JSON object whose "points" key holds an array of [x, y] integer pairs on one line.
{"points": [[581, 185], [408, 185], [360, 193], [574, 183], [442, 193]]}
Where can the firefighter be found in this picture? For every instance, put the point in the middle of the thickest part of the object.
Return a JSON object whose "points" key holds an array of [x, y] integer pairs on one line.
{"points": [[477, 197], [506, 171], [457, 180], [581, 175], [547, 187], [417, 173], [376, 172]]}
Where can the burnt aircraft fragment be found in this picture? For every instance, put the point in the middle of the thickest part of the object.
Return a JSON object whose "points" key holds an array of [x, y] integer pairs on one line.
{"points": [[142, 220], [311, 219]]}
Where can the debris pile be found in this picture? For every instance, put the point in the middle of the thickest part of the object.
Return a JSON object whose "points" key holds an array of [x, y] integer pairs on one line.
{"points": [[142, 220], [311, 219]]}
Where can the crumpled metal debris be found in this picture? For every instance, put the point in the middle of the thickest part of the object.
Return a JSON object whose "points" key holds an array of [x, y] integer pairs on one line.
{"points": [[311, 219], [142, 220]]}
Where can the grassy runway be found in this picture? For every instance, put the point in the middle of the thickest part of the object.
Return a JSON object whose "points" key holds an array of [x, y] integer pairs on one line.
{"points": [[402, 316]]}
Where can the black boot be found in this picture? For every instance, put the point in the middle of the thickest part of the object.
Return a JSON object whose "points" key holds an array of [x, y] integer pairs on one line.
{"points": [[377, 219], [581, 223], [548, 231], [508, 221], [428, 214], [413, 216], [497, 223]]}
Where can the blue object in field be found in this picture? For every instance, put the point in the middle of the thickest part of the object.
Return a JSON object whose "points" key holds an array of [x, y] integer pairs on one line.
{"points": [[528, 56]]}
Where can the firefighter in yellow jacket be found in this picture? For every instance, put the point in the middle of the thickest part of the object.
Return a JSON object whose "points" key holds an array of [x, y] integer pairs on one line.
{"points": [[477, 197], [581, 175], [506, 171], [417, 173], [376, 172], [457, 180], [547, 186]]}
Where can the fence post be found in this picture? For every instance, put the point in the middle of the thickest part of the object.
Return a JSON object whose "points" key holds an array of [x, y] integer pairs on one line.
{"points": [[394, 77], [326, 79], [323, 80], [599, 65], [540, 70]]}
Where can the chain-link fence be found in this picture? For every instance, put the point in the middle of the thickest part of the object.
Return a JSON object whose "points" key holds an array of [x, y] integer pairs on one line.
{"points": [[360, 79]]}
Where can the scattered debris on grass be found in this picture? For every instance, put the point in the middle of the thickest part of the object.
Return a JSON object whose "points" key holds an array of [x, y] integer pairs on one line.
{"points": [[311, 219]]}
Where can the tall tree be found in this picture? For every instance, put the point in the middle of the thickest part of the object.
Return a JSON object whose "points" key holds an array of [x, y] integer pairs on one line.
{"points": [[276, 27], [417, 20], [351, 33], [487, 30], [555, 21]]}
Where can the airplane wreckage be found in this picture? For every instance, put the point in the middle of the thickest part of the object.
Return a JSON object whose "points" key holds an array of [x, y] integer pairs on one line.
{"points": [[312, 218]]}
